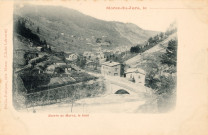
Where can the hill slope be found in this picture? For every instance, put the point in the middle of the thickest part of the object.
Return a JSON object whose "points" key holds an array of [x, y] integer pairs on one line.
{"points": [[150, 57], [68, 29]]}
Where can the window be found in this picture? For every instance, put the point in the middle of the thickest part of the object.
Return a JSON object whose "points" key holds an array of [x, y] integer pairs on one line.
{"points": [[115, 74]]}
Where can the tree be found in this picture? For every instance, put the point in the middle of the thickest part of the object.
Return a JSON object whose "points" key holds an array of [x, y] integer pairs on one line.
{"points": [[21, 29], [161, 35], [81, 62], [32, 80], [96, 63], [156, 39], [98, 40], [59, 70], [135, 49], [44, 42], [150, 40], [122, 69], [170, 57], [38, 30], [49, 49], [152, 80]]}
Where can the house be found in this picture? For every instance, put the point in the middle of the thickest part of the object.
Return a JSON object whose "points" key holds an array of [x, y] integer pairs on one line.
{"points": [[136, 75], [37, 70], [31, 44], [88, 55], [50, 69], [91, 65], [59, 62], [41, 49], [75, 68], [102, 60], [67, 68], [48, 46], [71, 56], [105, 44], [100, 55], [108, 54], [59, 54], [58, 69], [111, 68]]}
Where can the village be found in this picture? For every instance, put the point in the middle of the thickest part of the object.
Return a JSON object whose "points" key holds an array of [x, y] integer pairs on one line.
{"points": [[68, 67]]}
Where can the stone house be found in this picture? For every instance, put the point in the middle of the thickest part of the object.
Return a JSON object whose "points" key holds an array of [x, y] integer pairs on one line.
{"points": [[71, 56], [110, 68], [136, 75]]}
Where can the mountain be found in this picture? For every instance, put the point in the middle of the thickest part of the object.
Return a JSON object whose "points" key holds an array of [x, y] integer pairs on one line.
{"points": [[151, 57], [69, 30]]}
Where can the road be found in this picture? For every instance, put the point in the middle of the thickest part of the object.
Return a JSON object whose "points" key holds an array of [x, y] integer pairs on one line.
{"points": [[113, 103]]}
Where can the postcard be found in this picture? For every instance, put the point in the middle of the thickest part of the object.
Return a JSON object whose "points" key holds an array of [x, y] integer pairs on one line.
{"points": [[104, 67]]}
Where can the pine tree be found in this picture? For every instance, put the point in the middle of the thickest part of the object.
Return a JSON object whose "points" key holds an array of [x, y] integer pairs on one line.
{"points": [[170, 57]]}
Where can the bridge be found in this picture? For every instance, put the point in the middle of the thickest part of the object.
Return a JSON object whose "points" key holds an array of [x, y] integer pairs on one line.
{"points": [[116, 84]]}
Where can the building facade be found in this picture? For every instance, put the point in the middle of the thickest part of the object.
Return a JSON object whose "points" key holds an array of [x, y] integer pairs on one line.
{"points": [[110, 68], [135, 75], [72, 57]]}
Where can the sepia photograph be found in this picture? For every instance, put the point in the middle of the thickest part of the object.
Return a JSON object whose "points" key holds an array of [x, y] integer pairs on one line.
{"points": [[103, 67], [65, 60]]}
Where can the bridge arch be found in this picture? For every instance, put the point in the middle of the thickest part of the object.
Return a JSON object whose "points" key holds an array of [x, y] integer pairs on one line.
{"points": [[121, 91], [113, 86], [116, 89]]}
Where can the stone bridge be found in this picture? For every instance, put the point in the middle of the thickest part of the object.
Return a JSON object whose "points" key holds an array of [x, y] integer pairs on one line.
{"points": [[115, 84]]}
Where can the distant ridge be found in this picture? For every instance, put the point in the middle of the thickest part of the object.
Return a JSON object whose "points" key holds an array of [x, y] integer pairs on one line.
{"points": [[68, 29]]}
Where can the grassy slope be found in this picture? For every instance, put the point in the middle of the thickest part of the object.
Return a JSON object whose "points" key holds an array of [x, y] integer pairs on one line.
{"points": [[150, 57], [53, 21]]}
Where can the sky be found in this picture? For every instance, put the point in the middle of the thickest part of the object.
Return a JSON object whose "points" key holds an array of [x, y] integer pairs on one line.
{"points": [[154, 17], [149, 19]]}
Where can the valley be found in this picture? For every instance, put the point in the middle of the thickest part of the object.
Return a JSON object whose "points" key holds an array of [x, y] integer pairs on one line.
{"points": [[62, 57]]}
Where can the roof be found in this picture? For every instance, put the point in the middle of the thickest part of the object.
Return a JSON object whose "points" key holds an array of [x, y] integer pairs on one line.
{"points": [[54, 58], [135, 70], [87, 53], [88, 62], [69, 53], [58, 66], [52, 67], [111, 63], [65, 66], [38, 68]]}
